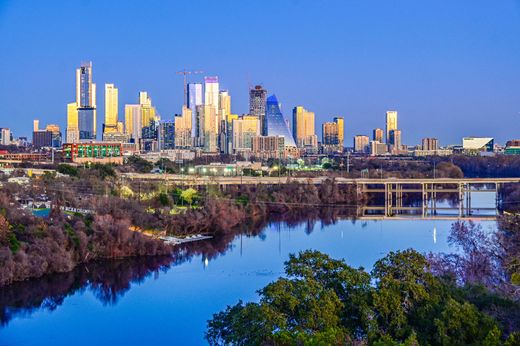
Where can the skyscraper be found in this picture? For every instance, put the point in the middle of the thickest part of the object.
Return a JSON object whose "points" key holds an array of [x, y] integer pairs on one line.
{"points": [[183, 127], [211, 99], [244, 129], [86, 101], [361, 144], [275, 123], [377, 135], [133, 125], [395, 139], [257, 102], [303, 128], [166, 136], [210, 128], [391, 124], [224, 125], [430, 144], [111, 109], [330, 134], [72, 135], [341, 132], [194, 100], [148, 113], [225, 105], [198, 127]]}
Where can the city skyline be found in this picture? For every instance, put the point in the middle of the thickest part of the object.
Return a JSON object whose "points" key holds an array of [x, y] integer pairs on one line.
{"points": [[423, 73]]}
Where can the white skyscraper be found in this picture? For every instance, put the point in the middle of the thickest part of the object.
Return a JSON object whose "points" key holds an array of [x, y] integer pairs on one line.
{"points": [[211, 99]]}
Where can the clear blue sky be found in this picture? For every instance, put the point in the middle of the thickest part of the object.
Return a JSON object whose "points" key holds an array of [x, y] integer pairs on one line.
{"points": [[451, 68]]}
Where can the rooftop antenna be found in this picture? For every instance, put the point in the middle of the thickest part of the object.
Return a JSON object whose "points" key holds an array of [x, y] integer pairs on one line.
{"points": [[185, 73]]}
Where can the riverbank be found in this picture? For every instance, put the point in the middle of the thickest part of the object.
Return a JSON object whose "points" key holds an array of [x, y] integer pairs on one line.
{"points": [[31, 247]]}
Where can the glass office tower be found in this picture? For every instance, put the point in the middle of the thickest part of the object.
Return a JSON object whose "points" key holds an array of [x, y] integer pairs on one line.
{"points": [[275, 122]]}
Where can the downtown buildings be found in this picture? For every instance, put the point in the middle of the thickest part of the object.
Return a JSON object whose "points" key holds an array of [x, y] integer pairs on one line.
{"points": [[207, 125]]}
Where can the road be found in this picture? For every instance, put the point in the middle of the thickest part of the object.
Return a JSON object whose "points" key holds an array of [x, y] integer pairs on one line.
{"points": [[246, 180]]}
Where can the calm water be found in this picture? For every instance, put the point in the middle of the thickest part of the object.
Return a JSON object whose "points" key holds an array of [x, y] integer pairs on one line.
{"points": [[133, 303]]}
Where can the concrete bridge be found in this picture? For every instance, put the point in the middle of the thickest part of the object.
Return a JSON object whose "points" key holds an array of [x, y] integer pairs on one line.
{"points": [[426, 190], [363, 182]]}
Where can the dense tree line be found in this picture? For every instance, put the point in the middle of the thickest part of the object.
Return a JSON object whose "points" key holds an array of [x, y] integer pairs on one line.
{"points": [[324, 301], [31, 246]]}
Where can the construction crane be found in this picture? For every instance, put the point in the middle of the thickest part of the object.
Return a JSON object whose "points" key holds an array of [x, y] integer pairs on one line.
{"points": [[185, 73]]}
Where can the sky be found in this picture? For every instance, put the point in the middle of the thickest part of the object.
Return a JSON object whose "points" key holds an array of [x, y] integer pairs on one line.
{"points": [[450, 68]]}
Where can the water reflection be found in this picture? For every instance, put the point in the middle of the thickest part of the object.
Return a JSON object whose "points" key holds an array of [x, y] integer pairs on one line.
{"points": [[108, 280]]}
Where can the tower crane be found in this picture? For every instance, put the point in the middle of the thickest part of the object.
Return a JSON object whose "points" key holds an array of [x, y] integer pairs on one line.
{"points": [[185, 73]]}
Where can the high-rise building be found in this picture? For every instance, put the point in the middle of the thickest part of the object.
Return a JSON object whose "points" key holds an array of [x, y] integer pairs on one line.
{"points": [[377, 135], [395, 139], [86, 102], [257, 102], [430, 144], [266, 147], [391, 124], [72, 135], [224, 124], [133, 124], [377, 148], [49, 137], [303, 128], [210, 129], [111, 109], [341, 132], [330, 137], [198, 127], [150, 137], [36, 125], [167, 134], [5, 136], [275, 122], [361, 144], [225, 105], [148, 113], [211, 99], [194, 99], [244, 129], [183, 127]]}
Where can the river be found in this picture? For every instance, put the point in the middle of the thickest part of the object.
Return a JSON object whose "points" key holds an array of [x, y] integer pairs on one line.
{"points": [[156, 301]]}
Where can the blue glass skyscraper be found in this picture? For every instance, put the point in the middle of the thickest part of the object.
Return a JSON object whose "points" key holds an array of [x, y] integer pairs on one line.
{"points": [[275, 122], [194, 100]]}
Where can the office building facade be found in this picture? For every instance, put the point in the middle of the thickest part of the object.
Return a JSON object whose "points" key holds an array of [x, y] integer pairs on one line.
{"points": [[257, 103], [276, 124], [391, 124]]}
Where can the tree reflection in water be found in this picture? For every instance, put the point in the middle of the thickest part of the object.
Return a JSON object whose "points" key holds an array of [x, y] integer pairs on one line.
{"points": [[110, 280]]}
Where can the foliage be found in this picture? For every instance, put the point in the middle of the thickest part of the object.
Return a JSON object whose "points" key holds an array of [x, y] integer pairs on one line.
{"points": [[139, 165], [325, 301], [163, 199], [103, 171], [64, 168], [189, 195]]}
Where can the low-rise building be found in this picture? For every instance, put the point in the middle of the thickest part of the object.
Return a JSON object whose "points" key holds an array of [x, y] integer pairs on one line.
{"points": [[477, 145], [96, 152]]}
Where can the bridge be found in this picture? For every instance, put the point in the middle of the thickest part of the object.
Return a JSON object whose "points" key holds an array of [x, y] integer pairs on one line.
{"points": [[195, 180], [426, 190]]}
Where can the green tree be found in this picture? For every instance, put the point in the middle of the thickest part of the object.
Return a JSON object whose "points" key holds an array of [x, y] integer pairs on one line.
{"points": [[189, 195], [324, 301], [68, 170]]}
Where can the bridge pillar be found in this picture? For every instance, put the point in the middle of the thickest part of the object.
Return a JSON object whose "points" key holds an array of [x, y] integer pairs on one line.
{"points": [[461, 199]]}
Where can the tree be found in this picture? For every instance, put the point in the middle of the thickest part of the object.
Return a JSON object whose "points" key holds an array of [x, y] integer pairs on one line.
{"points": [[189, 195], [324, 301], [68, 170]]}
